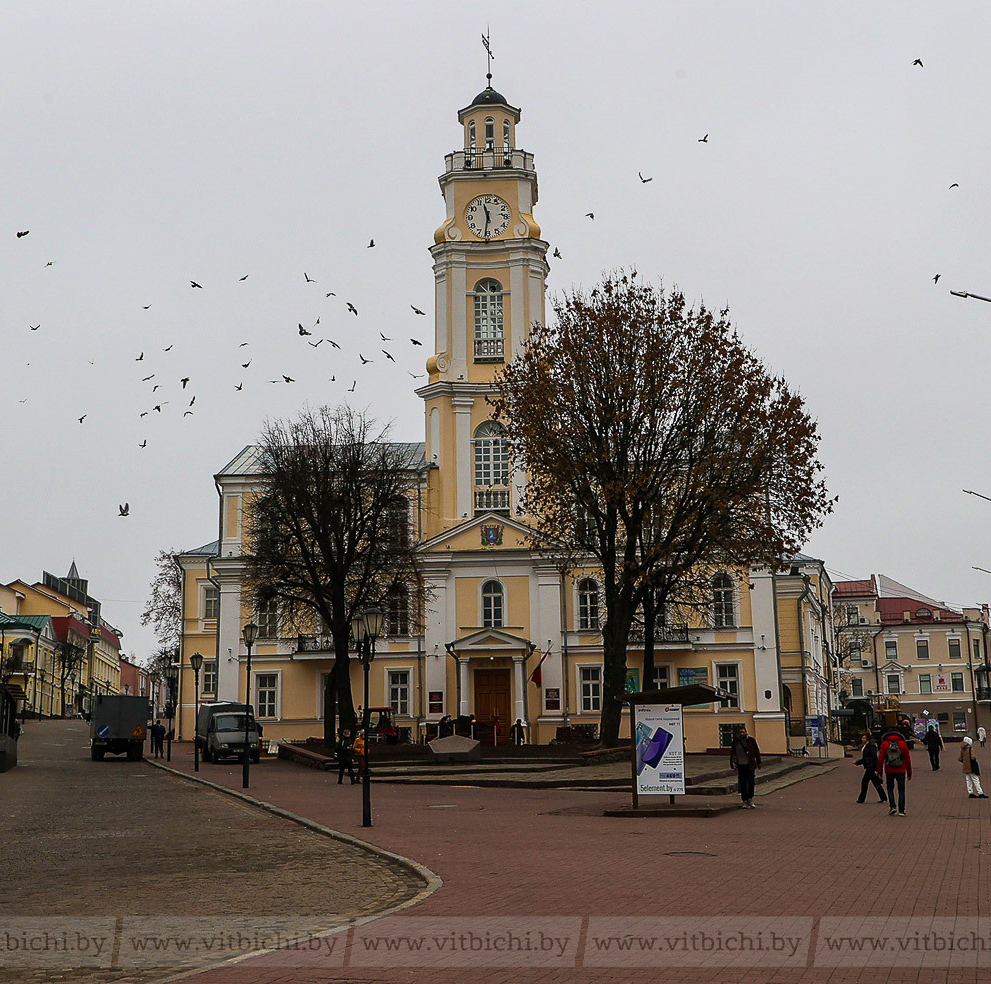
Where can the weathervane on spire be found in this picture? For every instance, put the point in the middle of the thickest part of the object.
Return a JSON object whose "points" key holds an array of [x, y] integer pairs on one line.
{"points": [[488, 52]]}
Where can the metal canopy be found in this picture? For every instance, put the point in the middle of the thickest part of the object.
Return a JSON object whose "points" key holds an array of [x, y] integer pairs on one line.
{"points": [[697, 693]]}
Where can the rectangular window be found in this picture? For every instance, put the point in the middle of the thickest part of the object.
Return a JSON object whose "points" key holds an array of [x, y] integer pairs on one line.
{"points": [[727, 732], [399, 691], [891, 649], [435, 702], [852, 615], [977, 650], [209, 676], [922, 648], [266, 695], [857, 687], [954, 646], [856, 654], [397, 603], [728, 678], [591, 687], [661, 679], [956, 683], [925, 683], [959, 721], [211, 603], [944, 720], [893, 680], [267, 617]]}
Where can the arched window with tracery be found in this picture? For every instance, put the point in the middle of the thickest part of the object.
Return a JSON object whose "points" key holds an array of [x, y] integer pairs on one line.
{"points": [[489, 325], [491, 451], [588, 604]]}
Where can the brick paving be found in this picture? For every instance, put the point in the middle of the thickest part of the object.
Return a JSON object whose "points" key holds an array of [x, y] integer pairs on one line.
{"points": [[529, 861], [115, 848]]}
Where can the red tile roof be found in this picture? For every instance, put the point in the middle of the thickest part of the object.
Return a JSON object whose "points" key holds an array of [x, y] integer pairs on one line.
{"points": [[855, 589]]}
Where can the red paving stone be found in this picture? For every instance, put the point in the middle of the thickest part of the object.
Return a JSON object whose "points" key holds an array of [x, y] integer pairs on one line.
{"points": [[548, 858]]}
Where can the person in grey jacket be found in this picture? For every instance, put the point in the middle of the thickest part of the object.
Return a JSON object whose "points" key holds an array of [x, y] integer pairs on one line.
{"points": [[868, 759], [744, 756]]}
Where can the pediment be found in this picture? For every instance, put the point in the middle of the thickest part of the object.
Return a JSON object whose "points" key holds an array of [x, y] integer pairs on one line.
{"points": [[486, 532], [489, 639], [893, 665]]}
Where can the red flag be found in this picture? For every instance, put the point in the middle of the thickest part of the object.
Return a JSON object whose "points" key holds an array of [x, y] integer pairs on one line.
{"points": [[536, 675]]}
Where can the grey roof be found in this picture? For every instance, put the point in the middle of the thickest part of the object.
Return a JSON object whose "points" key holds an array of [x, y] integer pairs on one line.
{"points": [[248, 460], [210, 549], [488, 96]]}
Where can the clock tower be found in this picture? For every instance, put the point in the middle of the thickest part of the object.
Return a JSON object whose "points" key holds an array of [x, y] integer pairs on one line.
{"points": [[490, 269]]}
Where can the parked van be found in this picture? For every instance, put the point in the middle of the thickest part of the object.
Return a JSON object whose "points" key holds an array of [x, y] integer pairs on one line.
{"points": [[220, 731]]}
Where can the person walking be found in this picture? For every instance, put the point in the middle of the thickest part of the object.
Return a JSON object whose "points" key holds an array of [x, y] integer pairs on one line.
{"points": [[982, 735], [744, 756], [971, 770], [157, 738], [868, 759], [934, 745], [345, 759], [896, 765], [517, 733]]}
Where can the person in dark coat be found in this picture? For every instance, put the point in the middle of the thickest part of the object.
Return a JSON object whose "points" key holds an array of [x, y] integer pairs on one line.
{"points": [[934, 745], [345, 758], [744, 756], [517, 732], [895, 763], [868, 759]]}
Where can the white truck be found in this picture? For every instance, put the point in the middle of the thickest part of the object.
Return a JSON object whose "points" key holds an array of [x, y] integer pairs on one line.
{"points": [[220, 731]]}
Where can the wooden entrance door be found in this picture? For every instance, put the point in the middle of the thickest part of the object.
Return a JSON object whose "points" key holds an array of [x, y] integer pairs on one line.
{"points": [[493, 698]]}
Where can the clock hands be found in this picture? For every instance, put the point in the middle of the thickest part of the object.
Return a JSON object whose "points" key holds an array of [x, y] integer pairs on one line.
{"points": [[488, 218]]}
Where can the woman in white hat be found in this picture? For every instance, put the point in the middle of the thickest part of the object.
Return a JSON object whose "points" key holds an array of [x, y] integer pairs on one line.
{"points": [[971, 770]]}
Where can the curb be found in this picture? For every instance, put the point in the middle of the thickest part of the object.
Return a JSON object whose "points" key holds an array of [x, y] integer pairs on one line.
{"points": [[432, 881]]}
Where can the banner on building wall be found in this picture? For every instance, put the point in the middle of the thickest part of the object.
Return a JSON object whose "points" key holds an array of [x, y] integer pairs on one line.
{"points": [[659, 749], [942, 681]]}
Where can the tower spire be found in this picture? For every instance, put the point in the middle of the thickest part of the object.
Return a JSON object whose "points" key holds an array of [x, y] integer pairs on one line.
{"points": [[489, 56]]}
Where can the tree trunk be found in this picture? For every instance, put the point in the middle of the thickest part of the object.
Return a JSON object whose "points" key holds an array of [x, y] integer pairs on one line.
{"points": [[649, 620], [614, 637], [330, 708]]}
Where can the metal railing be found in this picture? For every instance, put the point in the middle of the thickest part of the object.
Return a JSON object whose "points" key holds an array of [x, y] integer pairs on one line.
{"points": [[489, 350], [662, 633], [488, 159], [314, 644]]}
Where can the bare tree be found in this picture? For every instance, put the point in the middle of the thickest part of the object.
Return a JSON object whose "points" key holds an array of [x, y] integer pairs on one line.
{"points": [[657, 448], [328, 530], [164, 607]]}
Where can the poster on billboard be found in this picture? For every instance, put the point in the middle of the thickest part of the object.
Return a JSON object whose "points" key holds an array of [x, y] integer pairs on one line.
{"points": [[659, 749]]}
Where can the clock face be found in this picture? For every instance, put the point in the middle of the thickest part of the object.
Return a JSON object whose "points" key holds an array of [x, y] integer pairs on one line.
{"points": [[487, 216]]}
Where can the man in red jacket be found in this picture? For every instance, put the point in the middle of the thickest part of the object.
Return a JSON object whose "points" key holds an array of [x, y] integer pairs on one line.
{"points": [[895, 762]]}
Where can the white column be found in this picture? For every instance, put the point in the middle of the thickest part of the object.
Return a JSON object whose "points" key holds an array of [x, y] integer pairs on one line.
{"points": [[229, 641], [435, 636], [463, 680], [519, 711], [462, 435]]}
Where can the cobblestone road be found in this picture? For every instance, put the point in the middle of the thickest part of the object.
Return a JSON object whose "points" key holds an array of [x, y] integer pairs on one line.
{"points": [[109, 867]]}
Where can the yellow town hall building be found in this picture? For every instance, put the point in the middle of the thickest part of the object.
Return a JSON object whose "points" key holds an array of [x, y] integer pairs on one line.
{"points": [[496, 609]]}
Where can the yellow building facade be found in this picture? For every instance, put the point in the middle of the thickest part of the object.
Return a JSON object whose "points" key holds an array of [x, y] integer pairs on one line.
{"points": [[494, 609]]}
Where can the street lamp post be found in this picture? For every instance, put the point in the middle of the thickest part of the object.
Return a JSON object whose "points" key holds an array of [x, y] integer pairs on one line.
{"points": [[41, 700], [366, 628], [196, 662], [72, 688], [153, 678], [172, 679], [249, 633]]}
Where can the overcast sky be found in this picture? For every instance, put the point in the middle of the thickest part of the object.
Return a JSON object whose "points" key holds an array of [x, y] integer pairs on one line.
{"points": [[149, 145]]}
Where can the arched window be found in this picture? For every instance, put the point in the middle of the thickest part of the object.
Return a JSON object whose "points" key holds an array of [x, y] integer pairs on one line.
{"points": [[488, 321], [489, 133], [588, 604], [471, 134], [507, 141], [493, 608], [491, 468], [723, 615]]}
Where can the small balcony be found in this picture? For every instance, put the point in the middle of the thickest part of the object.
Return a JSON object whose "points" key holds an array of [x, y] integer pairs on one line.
{"points": [[492, 500], [663, 634], [488, 159], [489, 350], [315, 644]]}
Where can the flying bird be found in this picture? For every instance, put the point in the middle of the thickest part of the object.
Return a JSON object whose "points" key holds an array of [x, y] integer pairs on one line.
{"points": [[144, 379], [415, 342], [590, 215], [556, 253], [371, 244], [389, 357], [704, 139], [157, 386], [352, 309], [416, 310], [333, 379], [83, 417], [244, 365], [125, 509], [353, 384], [643, 179], [414, 375], [303, 331], [330, 293], [184, 380], [308, 278], [192, 401], [140, 357], [289, 379], [158, 406], [383, 337], [918, 61], [239, 387], [144, 443], [188, 413], [144, 307], [332, 342], [21, 235], [954, 185], [936, 278], [242, 344], [193, 283], [364, 361], [169, 349], [34, 327], [316, 343], [245, 277]]}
